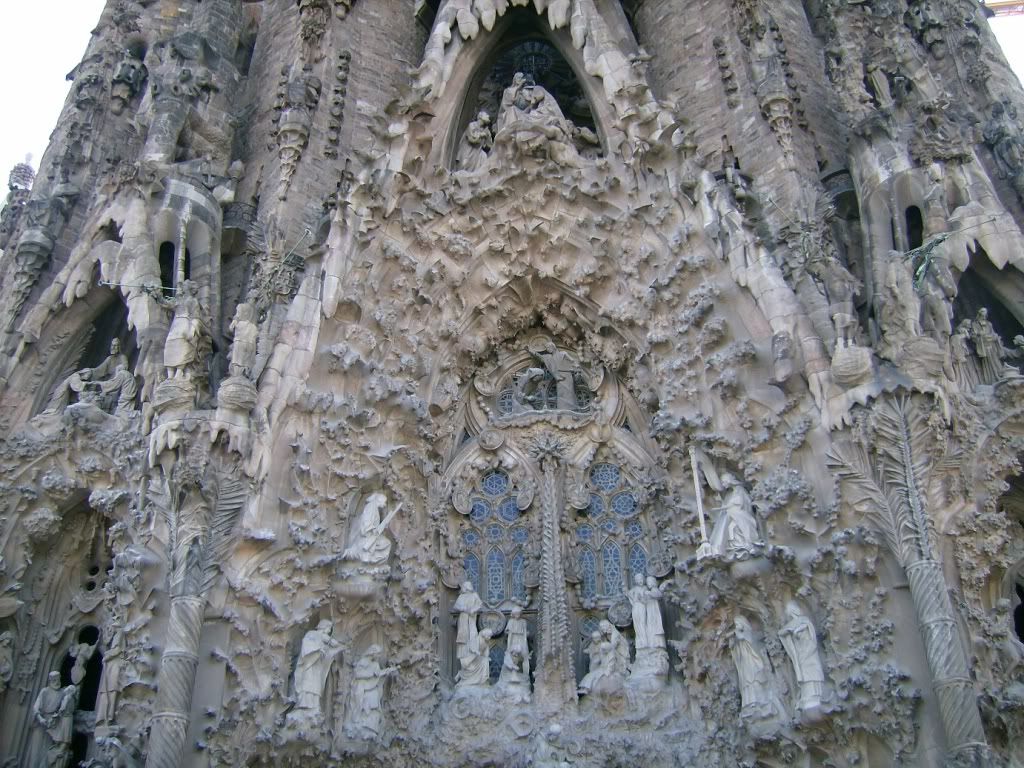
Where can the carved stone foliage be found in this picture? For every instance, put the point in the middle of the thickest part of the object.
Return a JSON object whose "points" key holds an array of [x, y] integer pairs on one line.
{"points": [[548, 428]]}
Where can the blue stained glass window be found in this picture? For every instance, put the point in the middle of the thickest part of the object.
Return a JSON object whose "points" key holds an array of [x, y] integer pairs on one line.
{"points": [[605, 476], [588, 570], [519, 576], [520, 535], [495, 576], [506, 401], [495, 659], [480, 511], [611, 564], [588, 626], [494, 532], [637, 561], [609, 525], [509, 510], [471, 564], [624, 504], [596, 508], [495, 484], [470, 538], [583, 395], [584, 533], [633, 529]]}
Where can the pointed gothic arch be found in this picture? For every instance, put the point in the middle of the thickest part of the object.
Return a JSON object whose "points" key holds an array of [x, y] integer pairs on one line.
{"points": [[474, 60]]}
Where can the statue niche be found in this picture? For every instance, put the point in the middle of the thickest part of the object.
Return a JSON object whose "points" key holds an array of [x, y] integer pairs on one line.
{"points": [[529, 104], [96, 367]]}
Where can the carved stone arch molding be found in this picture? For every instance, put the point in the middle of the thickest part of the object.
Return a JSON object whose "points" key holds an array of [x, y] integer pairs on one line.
{"points": [[499, 317]]}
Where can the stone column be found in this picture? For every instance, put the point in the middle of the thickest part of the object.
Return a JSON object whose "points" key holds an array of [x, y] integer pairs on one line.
{"points": [[175, 682], [555, 679], [947, 661]]}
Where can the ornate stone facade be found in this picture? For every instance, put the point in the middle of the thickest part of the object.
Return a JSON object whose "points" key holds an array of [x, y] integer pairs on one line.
{"points": [[518, 382]]}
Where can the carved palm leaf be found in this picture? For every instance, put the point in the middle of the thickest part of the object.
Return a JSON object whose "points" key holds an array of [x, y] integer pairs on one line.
{"points": [[903, 440], [864, 493], [890, 492], [231, 494]]}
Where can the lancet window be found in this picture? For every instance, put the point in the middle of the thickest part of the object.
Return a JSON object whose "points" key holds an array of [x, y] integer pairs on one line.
{"points": [[609, 535], [495, 539]]}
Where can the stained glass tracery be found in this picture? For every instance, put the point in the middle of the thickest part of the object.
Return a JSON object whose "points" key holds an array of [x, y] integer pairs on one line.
{"points": [[494, 542], [609, 535]]}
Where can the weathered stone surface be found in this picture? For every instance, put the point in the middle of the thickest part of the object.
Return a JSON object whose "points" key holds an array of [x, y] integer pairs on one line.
{"points": [[566, 382]]}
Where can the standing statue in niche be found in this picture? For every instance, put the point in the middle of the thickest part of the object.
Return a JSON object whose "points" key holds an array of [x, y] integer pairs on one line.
{"points": [[188, 339], [110, 679], [365, 708], [989, 348], [243, 346], [937, 293], [476, 144], [560, 365], [735, 533], [840, 286], [319, 649], [649, 631], [468, 606], [517, 639], [961, 358], [801, 643], [757, 693], [54, 713], [370, 546]]}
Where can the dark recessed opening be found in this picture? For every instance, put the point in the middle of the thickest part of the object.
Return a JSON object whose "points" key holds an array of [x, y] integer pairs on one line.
{"points": [[167, 268], [979, 286], [915, 227]]}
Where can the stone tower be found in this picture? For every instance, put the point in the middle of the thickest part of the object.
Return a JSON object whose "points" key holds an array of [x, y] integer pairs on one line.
{"points": [[518, 383]]}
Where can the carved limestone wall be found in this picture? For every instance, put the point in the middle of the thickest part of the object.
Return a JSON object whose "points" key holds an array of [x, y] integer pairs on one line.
{"points": [[551, 382]]}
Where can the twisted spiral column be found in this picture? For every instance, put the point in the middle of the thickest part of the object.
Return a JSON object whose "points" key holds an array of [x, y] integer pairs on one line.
{"points": [[947, 661], [176, 682]]}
